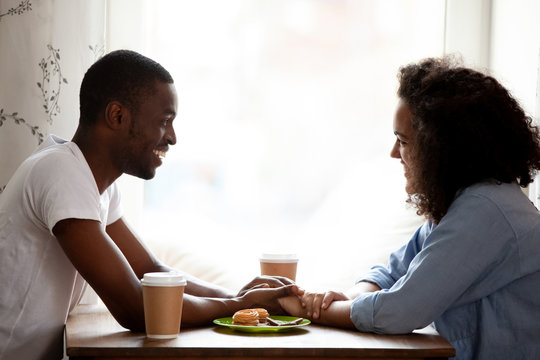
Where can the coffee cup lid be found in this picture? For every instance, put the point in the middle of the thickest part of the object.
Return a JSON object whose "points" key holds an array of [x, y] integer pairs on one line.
{"points": [[279, 257], [163, 279]]}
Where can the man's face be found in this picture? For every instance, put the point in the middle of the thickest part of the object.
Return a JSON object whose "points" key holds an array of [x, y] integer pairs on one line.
{"points": [[150, 132]]}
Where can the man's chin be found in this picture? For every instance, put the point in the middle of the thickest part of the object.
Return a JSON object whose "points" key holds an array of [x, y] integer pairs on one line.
{"points": [[145, 175]]}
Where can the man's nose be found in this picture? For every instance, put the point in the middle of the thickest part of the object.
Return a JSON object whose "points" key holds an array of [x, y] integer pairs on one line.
{"points": [[171, 136]]}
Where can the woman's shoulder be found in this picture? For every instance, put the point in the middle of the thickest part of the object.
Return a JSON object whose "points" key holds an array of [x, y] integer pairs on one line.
{"points": [[492, 200], [495, 191]]}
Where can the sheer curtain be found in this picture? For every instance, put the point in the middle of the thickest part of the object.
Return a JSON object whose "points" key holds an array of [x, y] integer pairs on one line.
{"points": [[46, 46]]}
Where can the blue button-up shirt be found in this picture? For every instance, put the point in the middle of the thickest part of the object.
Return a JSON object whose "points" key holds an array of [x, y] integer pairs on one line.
{"points": [[475, 276]]}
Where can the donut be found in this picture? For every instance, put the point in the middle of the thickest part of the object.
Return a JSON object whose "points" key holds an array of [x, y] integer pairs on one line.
{"points": [[263, 314], [249, 317]]}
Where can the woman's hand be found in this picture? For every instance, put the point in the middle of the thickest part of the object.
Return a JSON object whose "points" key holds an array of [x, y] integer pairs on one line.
{"points": [[314, 303], [293, 306], [336, 310]]}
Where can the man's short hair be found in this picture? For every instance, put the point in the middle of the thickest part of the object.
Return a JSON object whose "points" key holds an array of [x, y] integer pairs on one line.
{"points": [[124, 76]]}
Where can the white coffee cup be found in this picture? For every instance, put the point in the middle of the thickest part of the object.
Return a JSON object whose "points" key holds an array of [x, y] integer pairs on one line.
{"points": [[279, 264], [163, 294]]}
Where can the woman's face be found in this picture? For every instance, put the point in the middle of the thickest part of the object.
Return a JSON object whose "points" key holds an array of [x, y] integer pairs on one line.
{"points": [[405, 137]]}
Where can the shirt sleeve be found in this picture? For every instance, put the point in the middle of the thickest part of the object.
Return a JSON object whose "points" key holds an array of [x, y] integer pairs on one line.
{"points": [[115, 209], [60, 188], [386, 276], [461, 249]]}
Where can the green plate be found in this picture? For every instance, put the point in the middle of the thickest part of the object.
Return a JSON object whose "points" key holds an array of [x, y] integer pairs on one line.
{"points": [[228, 322]]}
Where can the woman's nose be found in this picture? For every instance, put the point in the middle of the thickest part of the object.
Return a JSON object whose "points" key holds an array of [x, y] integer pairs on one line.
{"points": [[394, 153]]}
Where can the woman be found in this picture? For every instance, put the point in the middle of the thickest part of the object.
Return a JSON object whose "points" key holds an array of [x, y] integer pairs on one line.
{"points": [[473, 268]]}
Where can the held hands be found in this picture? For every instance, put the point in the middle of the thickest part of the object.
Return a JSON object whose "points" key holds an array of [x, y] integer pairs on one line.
{"points": [[310, 304], [265, 282], [314, 303], [265, 291]]}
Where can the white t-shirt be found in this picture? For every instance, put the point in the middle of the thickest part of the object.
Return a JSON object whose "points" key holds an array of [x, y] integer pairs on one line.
{"points": [[38, 283]]}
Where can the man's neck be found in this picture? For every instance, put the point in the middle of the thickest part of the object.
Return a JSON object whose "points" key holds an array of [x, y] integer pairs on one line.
{"points": [[96, 154]]}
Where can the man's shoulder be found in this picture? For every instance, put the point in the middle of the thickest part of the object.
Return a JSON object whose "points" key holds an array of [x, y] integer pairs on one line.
{"points": [[56, 155]]}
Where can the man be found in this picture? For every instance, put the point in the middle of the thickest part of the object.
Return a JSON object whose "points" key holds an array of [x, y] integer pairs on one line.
{"points": [[60, 220]]}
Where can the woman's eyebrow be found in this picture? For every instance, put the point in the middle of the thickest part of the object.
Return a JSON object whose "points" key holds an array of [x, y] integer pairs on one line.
{"points": [[400, 134]]}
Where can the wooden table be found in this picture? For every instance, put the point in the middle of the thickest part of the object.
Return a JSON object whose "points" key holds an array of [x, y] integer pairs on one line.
{"points": [[92, 333]]}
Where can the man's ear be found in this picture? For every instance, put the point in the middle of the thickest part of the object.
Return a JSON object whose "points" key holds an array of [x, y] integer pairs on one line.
{"points": [[116, 115]]}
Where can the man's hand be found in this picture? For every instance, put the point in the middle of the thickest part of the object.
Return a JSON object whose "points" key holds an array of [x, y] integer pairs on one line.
{"points": [[265, 282], [266, 297]]}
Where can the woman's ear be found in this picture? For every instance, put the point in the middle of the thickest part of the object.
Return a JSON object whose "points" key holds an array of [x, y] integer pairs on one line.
{"points": [[116, 115]]}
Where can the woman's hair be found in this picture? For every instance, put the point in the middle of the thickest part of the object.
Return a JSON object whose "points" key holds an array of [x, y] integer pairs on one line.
{"points": [[468, 129], [123, 75]]}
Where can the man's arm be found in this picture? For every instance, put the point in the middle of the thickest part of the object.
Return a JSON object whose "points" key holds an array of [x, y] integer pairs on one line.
{"points": [[103, 265], [113, 269], [142, 261]]}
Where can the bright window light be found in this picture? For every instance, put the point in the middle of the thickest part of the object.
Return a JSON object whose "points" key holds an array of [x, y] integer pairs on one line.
{"points": [[285, 125]]}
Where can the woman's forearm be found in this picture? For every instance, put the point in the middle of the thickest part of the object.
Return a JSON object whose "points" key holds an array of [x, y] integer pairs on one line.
{"points": [[337, 314], [362, 287]]}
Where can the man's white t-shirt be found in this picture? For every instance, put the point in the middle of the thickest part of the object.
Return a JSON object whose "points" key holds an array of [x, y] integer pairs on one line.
{"points": [[38, 283]]}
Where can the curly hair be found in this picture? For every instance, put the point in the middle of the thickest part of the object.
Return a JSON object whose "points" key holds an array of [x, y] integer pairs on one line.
{"points": [[468, 129], [122, 75]]}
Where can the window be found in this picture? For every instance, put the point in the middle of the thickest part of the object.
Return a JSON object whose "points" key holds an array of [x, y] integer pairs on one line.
{"points": [[285, 127]]}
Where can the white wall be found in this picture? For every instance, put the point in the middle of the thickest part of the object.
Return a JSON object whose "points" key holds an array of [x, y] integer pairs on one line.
{"points": [[515, 55], [515, 48], [468, 30]]}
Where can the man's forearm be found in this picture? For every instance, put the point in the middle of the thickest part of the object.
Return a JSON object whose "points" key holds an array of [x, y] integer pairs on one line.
{"points": [[202, 310], [198, 287]]}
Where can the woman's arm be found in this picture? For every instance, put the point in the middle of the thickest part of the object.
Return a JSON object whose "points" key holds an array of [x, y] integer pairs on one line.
{"points": [[336, 314], [360, 288]]}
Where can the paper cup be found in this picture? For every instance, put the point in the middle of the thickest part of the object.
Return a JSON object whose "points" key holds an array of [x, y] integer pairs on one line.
{"points": [[279, 265], [163, 294]]}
